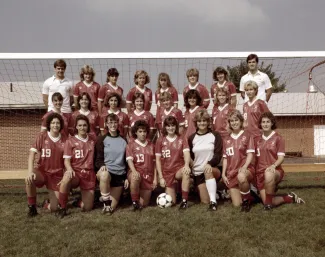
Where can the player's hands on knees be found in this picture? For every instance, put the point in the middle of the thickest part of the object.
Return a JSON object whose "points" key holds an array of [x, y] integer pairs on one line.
{"points": [[186, 170], [70, 173], [30, 178], [207, 168], [135, 175], [154, 184], [242, 169], [126, 184], [103, 168], [270, 169], [162, 182], [225, 179]]}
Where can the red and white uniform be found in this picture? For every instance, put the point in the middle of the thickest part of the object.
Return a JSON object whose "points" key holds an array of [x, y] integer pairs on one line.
{"points": [[171, 151], [220, 119], [235, 150], [189, 123], [173, 92], [227, 85], [93, 118], [252, 113], [66, 120], [147, 96], [107, 89], [267, 151], [174, 112], [144, 115], [143, 157], [81, 153], [92, 89], [122, 124], [203, 91], [50, 162]]}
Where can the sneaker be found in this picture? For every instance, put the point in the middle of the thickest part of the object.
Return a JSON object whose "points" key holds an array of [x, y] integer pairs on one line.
{"points": [[136, 206], [183, 205], [245, 206], [296, 198], [32, 211], [61, 212], [267, 207], [107, 209], [213, 206]]}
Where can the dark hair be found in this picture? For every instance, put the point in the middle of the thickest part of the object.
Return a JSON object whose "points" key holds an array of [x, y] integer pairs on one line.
{"points": [[51, 117], [220, 70], [58, 95], [238, 115], [271, 117], [112, 72], [82, 117], [137, 125], [136, 96], [80, 97], [60, 63], [192, 93], [170, 120], [112, 116], [251, 57], [109, 96]]}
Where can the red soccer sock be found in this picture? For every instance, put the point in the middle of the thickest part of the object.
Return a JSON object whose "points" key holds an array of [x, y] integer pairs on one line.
{"points": [[135, 197], [287, 199], [31, 200], [63, 199], [185, 195], [268, 199]]}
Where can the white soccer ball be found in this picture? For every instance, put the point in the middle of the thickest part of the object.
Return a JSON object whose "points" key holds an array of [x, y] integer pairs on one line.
{"points": [[164, 200]]}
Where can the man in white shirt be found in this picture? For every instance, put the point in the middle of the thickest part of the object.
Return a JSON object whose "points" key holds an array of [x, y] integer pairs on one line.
{"points": [[58, 83], [261, 78]]}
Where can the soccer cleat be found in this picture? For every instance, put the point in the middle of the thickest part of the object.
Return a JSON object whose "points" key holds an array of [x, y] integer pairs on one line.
{"points": [[245, 206], [296, 198], [267, 207], [213, 206], [136, 206], [107, 208], [183, 205], [61, 212], [32, 211]]}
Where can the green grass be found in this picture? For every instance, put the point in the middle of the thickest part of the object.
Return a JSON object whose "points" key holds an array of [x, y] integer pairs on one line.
{"points": [[289, 230]]}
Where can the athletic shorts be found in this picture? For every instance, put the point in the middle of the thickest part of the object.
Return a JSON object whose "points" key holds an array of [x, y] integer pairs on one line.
{"points": [[146, 181], [117, 180], [260, 178], [169, 176], [87, 179], [233, 180], [200, 179], [51, 180]]}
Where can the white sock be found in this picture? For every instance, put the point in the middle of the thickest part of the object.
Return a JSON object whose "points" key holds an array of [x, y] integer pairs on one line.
{"points": [[105, 197], [211, 185]]}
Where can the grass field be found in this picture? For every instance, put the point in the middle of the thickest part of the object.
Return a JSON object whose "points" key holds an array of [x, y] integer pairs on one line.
{"points": [[290, 230]]}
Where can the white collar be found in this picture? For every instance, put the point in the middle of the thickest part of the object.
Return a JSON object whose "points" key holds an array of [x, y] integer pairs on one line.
{"points": [[267, 138], [82, 139], [141, 89], [88, 84], [251, 103], [238, 135], [61, 80], [164, 90], [54, 139], [223, 107], [194, 109], [171, 140], [257, 73], [84, 113], [221, 85], [193, 87], [114, 87], [110, 111], [139, 143], [138, 113], [166, 112]]}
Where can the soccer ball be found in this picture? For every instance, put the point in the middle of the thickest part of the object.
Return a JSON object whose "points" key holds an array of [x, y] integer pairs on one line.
{"points": [[164, 200]]}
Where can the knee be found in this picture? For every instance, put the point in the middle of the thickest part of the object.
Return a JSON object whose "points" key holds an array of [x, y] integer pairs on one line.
{"points": [[208, 175], [104, 176], [269, 178], [66, 180], [186, 177], [241, 178]]}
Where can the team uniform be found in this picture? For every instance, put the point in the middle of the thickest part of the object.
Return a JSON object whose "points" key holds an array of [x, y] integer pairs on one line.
{"points": [[93, 118], [107, 89], [236, 148], [147, 96], [143, 157], [188, 122], [172, 156], [122, 124], [50, 162], [174, 112], [204, 93], [227, 85], [220, 119], [143, 115], [92, 89], [267, 151], [66, 120], [81, 153], [174, 94]]}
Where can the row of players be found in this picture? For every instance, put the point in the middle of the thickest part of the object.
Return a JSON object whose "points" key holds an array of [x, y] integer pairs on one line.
{"points": [[141, 165]]}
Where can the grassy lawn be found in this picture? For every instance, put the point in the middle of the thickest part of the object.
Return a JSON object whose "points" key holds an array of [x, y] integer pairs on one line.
{"points": [[289, 230]]}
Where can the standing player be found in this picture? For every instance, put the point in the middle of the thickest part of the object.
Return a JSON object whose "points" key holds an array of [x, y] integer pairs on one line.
{"points": [[110, 87], [140, 155], [237, 168], [49, 170], [79, 164], [141, 78], [193, 78], [270, 154], [262, 80], [173, 160]]}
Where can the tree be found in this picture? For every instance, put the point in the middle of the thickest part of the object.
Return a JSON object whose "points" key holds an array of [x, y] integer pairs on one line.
{"points": [[236, 72]]}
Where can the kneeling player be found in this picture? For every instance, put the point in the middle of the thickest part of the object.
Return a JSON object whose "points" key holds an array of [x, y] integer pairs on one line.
{"points": [[140, 155], [79, 163], [49, 170], [173, 160]]}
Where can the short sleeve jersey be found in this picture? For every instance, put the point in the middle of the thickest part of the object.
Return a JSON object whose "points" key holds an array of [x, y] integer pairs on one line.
{"points": [[189, 123], [107, 89], [144, 115], [66, 121], [174, 112], [173, 92], [92, 90], [267, 151], [229, 86], [50, 150], [171, 151], [142, 155], [220, 119], [93, 118], [123, 121], [147, 96], [203, 91]]}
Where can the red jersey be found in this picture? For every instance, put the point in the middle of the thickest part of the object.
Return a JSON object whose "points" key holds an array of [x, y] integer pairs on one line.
{"points": [[122, 124], [144, 115], [171, 151], [227, 85], [81, 152], [107, 89], [267, 151], [50, 150], [173, 92], [92, 90], [189, 123], [66, 120], [142, 155], [147, 96], [93, 118], [175, 112], [220, 119], [203, 91], [252, 113]]}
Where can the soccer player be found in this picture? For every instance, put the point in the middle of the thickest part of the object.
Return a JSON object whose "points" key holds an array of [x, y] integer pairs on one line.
{"points": [[79, 164], [49, 146], [111, 164], [237, 167], [58, 83], [192, 102], [140, 155], [173, 160], [57, 101], [262, 80], [270, 152], [83, 106], [193, 78], [220, 75], [112, 104], [168, 109], [206, 153], [141, 78], [87, 85], [110, 87]]}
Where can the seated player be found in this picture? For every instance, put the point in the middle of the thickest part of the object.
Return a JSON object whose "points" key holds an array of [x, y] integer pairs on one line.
{"points": [[270, 154], [79, 164], [173, 160], [206, 152], [49, 146], [140, 155], [111, 164], [237, 167]]}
